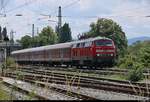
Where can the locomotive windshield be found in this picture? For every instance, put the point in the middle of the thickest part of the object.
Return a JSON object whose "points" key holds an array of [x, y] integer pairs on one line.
{"points": [[103, 43]]}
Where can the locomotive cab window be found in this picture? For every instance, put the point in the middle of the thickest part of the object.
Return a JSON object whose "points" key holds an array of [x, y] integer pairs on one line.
{"points": [[103, 43]]}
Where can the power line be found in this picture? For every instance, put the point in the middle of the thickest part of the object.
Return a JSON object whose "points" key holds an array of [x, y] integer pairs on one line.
{"points": [[89, 17], [71, 4], [3, 4], [21, 6]]}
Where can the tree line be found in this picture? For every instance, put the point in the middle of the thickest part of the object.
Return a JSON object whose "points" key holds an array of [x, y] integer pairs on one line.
{"points": [[3, 34], [47, 37]]}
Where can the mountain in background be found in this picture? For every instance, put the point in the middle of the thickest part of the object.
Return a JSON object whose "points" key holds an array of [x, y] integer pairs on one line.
{"points": [[133, 40]]}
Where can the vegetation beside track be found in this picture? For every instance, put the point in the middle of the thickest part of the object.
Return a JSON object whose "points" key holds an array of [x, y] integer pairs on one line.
{"points": [[136, 60], [3, 94], [116, 77]]}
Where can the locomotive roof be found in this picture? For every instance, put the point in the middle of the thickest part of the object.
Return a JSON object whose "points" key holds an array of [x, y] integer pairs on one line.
{"points": [[91, 39], [56, 46]]}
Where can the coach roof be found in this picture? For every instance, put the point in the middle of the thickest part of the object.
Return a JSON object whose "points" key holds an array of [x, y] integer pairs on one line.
{"points": [[49, 47]]}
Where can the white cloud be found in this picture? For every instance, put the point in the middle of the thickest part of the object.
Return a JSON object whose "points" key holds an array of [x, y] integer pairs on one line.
{"points": [[85, 4], [101, 8]]}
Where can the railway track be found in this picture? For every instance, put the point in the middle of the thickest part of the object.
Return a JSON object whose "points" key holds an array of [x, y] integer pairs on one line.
{"points": [[87, 70], [60, 74], [100, 71], [88, 82], [76, 69]]}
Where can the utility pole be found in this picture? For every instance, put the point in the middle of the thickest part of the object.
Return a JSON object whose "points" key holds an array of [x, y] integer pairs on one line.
{"points": [[59, 20], [33, 34], [12, 36], [37, 30], [32, 30]]}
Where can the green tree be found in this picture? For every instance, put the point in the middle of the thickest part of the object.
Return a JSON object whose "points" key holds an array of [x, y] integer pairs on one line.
{"points": [[142, 52], [47, 36], [127, 61], [57, 31], [139, 52], [135, 73], [26, 42], [144, 57], [36, 41], [65, 34], [108, 28], [4, 33]]}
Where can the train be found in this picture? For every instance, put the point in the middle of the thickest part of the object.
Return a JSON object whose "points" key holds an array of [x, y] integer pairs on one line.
{"points": [[90, 52]]}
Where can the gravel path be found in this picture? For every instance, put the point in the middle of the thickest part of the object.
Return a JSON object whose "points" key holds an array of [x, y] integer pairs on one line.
{"points": [[16, 95], [51, 95]]}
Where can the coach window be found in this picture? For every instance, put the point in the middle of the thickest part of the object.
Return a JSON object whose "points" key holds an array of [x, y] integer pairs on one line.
{"points": [[86, 44], [74, 46], [78, 45], [82, 45]]}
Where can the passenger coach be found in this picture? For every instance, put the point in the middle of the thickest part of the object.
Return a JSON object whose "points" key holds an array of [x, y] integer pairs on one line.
{"points": [[89, 52]]}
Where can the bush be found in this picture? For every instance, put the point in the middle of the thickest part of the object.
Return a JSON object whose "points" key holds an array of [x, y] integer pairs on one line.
{"points": [[144, 56], [127, 62], [136, 73], [11, 62]]}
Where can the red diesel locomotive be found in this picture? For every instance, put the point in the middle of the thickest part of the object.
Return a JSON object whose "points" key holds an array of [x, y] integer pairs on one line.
{"points": [[88, 52]]}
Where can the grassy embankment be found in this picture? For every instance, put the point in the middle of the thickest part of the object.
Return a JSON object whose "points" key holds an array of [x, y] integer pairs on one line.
{"points": [[3, 94]]}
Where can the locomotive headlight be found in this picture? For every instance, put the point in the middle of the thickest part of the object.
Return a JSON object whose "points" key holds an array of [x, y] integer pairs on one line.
{"points": [[98, 54], [111, 54]]}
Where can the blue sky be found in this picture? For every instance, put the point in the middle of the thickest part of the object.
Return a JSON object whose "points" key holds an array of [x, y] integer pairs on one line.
{"points": [[130, 14]]}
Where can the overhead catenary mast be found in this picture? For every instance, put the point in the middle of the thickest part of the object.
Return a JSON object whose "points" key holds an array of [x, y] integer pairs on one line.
{"points": [[59, 20], [33, 34], [12, 36], [32, 30]]}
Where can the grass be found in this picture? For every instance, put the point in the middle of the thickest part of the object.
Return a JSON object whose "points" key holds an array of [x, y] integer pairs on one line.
{"points": [[116, 77], [3, 94]]}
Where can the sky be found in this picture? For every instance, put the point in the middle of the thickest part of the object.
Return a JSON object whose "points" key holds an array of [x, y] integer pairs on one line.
{"points": [[129, 14]]}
